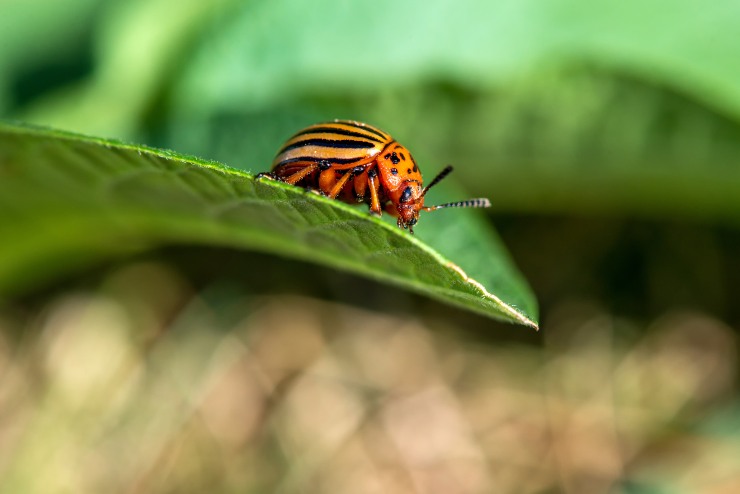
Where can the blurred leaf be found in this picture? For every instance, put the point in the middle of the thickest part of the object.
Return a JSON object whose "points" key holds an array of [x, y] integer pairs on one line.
{"points": [[38, 32], [68, 201], [267, 50], [155, 36]]}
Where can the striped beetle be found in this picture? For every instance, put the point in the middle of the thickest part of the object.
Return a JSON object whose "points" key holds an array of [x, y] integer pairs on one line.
{"points": [[355, 162]]}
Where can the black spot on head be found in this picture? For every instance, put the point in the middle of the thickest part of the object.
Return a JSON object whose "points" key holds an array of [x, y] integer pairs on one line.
{"points": [[416, 168], [403, 156], [408, 170], [394, 158], [406, 195], [394, 171], [387, 156]]}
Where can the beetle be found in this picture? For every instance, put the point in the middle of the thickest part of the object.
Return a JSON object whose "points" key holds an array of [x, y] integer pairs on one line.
{"points": [[356, 162]]}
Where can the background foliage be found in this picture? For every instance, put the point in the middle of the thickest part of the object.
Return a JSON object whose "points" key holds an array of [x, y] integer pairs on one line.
{"points": [[606, 135]]}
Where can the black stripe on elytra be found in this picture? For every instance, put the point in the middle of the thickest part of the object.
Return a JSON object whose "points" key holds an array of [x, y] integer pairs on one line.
{"points": [[366, 129], [335, 130], [329, 143], [314, 159]]}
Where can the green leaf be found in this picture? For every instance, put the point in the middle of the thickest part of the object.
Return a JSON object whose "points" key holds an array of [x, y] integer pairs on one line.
{"points": [[68, 200], [41, 31], [278, 48], [151, 35]]}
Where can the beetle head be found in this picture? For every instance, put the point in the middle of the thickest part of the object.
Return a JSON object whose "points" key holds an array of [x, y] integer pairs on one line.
{"points": [[411, 201]]}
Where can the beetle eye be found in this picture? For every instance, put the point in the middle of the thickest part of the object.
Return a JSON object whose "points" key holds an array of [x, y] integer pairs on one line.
{"points": [[406, 195], [412, 221]]}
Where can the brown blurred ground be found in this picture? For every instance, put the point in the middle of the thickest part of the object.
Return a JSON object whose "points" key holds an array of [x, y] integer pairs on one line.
{"points": [[140, 387]]}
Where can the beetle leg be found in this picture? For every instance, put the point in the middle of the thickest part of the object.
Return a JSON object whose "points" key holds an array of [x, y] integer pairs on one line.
{"points": [[339, 185], [327, 180], [360, 186], [372, 178], [301, 174]]}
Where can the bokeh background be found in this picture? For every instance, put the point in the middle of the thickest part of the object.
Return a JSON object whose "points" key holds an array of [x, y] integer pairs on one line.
{"points": [[607, 135]]}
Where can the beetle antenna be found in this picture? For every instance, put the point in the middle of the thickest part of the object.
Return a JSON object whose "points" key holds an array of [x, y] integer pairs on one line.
{"points": [[437, 179], [470, 203]]}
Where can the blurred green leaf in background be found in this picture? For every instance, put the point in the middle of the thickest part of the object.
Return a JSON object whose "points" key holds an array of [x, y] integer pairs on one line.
{"points": [[607, 136]]}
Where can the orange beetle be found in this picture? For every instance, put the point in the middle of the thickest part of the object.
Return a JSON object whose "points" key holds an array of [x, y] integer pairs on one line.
{"points": [[356, 162]]}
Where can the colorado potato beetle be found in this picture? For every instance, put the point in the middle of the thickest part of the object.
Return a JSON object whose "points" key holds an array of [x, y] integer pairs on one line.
{"points": [[356, 162]]}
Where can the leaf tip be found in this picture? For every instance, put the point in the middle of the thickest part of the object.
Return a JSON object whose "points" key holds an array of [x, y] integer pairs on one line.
{"points": [[508, 309]]}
